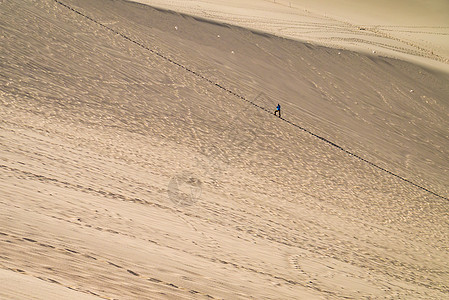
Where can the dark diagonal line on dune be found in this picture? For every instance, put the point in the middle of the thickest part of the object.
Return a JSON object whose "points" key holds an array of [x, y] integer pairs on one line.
{"points": [[252, 103]]}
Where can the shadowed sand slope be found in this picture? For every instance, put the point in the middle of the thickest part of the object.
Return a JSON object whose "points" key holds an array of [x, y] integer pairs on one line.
{"points": [[410, 30], [130, 166]]}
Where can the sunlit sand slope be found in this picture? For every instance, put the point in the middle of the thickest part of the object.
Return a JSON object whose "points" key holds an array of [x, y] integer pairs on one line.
{"points": [[140, 159], [415, 31]]}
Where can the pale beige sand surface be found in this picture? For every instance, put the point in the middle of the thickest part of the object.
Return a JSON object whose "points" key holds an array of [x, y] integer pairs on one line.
{"points": [[416, 31], [126, 172], [18, 286]]}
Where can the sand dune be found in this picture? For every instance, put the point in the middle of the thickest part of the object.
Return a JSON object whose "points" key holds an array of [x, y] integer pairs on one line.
{"points": [[140, 159], [415, 31]]}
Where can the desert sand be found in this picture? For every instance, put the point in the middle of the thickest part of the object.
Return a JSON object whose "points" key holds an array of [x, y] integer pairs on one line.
{"points": [[140, 159], [416, 31]]}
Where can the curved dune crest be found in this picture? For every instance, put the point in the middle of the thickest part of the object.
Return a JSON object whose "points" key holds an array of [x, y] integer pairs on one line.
{"points": [[415, 31]]}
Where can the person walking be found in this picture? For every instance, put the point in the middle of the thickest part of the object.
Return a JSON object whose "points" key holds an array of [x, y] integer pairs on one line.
{"points": [[278, 110]]}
